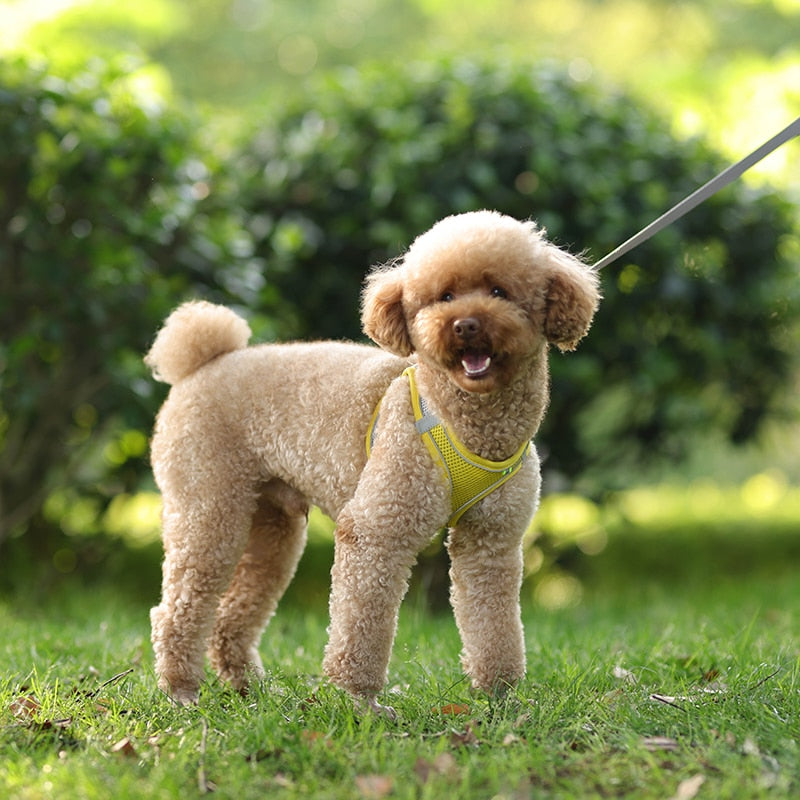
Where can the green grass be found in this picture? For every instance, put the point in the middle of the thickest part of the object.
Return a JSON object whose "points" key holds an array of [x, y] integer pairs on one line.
{"points": [[663, 661], [636, 689]]}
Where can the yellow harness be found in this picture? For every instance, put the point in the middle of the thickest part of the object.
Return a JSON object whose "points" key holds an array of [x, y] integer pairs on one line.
{"points": [[470, 477]]}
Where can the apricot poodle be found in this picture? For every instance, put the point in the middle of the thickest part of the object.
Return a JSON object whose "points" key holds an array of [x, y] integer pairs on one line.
{"points": [[432, 429]]}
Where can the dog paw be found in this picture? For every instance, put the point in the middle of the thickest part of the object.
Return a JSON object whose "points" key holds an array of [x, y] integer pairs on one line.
{"points": [[372, 706], [183, 697]]}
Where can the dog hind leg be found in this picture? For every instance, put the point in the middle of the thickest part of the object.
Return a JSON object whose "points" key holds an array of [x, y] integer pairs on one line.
{"points": [[196, 572], [267, 566]]}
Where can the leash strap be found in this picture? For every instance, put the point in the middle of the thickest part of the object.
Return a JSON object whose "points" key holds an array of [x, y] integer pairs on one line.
{"points": [[703, 193]]}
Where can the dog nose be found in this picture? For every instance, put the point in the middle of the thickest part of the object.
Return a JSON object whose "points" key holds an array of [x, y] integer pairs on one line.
{"points": [[467, 327]]}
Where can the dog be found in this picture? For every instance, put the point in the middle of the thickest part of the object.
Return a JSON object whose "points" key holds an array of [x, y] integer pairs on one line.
{"points": [[431, 429]]}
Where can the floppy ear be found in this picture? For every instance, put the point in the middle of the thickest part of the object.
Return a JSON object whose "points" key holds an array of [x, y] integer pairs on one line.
{"points": [[572, 297], [382, 316]]}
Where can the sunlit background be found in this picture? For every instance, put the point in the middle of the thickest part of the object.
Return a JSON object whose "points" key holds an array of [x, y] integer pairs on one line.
{"points": [[729, 69]]}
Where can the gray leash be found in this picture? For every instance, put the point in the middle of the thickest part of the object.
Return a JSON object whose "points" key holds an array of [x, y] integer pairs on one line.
{"points": [[703, 193]]}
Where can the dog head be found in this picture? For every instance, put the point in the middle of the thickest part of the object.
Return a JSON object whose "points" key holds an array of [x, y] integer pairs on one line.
{"points": [[475, 295]]}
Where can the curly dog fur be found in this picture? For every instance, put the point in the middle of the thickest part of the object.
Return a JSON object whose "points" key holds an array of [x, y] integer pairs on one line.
{"points": [[250, 436]]}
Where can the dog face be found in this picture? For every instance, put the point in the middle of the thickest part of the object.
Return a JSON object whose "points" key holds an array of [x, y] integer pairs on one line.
{"points": [[476, 295]]}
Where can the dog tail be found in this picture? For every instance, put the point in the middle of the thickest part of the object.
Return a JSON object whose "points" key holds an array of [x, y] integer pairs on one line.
{"points": [[194, 334]]}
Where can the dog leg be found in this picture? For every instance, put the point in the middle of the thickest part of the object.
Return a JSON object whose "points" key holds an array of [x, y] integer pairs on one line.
{"points": [[197, 570], [486, 576], [277, 539], [485, 585], [369, 580]]}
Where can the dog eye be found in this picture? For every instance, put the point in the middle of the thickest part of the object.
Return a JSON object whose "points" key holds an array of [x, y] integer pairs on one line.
{"points": [[447, 297], [498, 291]]}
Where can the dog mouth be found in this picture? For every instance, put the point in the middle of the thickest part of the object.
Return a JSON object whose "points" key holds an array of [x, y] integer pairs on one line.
{"points": [[476, 363]]}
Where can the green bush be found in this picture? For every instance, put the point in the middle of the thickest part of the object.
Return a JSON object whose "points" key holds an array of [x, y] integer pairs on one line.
{"points": [[113, 209], [695, 330], [109, 213]]}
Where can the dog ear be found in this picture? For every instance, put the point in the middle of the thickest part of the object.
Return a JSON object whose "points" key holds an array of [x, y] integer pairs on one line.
{"points": [[382, 316], [572, 297]]}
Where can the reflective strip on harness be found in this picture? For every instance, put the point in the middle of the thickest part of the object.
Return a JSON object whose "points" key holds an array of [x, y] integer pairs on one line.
{"points": [[470, 477]]}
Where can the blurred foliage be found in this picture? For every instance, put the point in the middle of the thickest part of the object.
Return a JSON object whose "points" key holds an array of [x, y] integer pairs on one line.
{"points": [[694, 535], [690, 534], [729, 69], [698, 333], [109, 211], [113, 208]]}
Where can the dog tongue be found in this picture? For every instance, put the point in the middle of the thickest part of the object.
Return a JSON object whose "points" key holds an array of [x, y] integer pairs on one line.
{"points": [[476, 364]]}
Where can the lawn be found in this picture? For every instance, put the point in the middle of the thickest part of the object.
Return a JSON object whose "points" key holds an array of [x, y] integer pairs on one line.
{"points": [[674, 672]]}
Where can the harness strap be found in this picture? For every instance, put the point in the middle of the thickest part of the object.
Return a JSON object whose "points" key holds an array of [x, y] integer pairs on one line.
{"points": [[469, 476]]}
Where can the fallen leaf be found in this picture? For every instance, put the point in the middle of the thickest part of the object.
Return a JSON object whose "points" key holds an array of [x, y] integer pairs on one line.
{"points": [[452, 708], [310, 737], [660, 743], [465, 738], [423, 769], [622, 674], [750, 748], [125, 747], [56, 723], [374, 787], [688, 789], [24, 708], [443, 764]]}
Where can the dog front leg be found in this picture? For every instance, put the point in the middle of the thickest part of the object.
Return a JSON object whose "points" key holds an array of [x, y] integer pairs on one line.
{"points": [[486, 577], [369, 580]]}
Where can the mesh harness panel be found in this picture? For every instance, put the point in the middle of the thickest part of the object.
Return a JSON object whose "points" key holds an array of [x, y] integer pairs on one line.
{"points": [[469, 476]]}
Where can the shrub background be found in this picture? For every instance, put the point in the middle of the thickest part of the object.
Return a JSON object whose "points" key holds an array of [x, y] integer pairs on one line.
{"points": [[697, 328], [113, 209], [110, 212]]}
